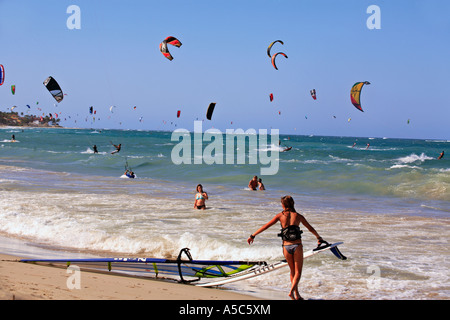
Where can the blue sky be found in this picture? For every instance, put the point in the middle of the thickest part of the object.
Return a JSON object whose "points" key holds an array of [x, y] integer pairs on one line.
{"points": [[114, 59]]}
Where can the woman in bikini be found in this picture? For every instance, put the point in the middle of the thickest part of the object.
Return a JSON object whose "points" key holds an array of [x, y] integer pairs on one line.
{"points": [[200, 198], [292, 243]]}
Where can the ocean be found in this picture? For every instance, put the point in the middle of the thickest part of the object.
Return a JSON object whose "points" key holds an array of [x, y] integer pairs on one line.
{"points": [[389, 202]]}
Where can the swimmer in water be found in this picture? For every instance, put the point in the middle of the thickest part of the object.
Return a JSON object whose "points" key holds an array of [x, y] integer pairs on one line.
{"points": [[200, 198]]}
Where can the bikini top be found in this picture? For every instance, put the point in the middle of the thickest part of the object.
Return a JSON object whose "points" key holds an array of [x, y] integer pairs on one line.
{"points": [[291, 233], [199, 197]]}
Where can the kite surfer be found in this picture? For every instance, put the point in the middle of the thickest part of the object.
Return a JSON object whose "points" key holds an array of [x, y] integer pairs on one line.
{"points": [[13, 138], [117, 148], [95, 148], [130, 174], [441, 155], [291, 235], [253, 184], [200, 198]]}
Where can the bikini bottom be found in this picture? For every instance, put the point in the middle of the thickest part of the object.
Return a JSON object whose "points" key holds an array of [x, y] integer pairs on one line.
{"points": [[290, 248]]}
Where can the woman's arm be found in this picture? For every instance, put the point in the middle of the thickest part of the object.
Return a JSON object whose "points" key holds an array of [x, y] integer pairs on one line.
{"points": [[263, 228], [310, 228]]}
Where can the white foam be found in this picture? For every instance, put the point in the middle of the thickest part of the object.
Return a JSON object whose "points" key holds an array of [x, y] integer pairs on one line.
{"points": [[414, 158]]}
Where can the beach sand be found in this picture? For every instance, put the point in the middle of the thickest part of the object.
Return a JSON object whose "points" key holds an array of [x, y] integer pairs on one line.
{"points": [[23, 281]]}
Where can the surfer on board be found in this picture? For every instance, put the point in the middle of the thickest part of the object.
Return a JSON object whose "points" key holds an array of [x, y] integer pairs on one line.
{"points": [[117, 148], [130, 174], [200, 198], [291, 235], [441, 155]]}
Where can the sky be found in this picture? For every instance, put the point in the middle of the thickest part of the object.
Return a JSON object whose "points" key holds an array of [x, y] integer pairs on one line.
{"points": [[113, 59]]}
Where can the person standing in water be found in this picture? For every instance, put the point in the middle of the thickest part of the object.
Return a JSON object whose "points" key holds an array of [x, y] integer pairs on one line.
{"points": [[261, 185], [200, 198], [253, 184], [292, 240]]}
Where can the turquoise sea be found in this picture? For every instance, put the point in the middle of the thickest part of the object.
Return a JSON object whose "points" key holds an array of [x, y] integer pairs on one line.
{"points": [[389, 202]]}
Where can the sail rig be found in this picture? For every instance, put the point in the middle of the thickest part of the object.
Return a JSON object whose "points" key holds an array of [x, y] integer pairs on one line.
{"points": [[195, 270], [215, 272]]}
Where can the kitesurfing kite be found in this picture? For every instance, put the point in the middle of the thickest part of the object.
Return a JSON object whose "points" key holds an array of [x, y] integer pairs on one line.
{"points": [[270, 47], [178, 113], [111, 109], [2, 74], [271, 97], [54, 89], [274, 56], [355, 94], [165, 50], [13, 89], [313, 93], [210, 111]]}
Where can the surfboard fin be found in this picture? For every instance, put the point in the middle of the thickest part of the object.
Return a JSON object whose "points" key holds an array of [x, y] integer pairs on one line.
{"points": [[338, 253]]}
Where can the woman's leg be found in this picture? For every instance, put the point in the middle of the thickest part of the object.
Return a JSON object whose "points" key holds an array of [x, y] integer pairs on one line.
{"points": [[295, 262]]}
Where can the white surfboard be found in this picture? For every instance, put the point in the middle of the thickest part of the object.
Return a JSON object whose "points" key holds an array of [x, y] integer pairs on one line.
{"points": [[124, 176], [260, 270]]}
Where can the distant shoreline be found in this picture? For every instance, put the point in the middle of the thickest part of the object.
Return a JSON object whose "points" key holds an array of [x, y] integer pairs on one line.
{"points": [[28, 126]]}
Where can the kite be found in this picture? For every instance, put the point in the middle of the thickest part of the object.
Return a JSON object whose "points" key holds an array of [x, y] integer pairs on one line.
{"points": [[54, 89], [270, 47], [313, 93], [210, 111], [355, 94], [111, 109], [163, 46], [2, 74], [178, 113], [91, 109], [274, 56], [271, 97], [13, 89]]}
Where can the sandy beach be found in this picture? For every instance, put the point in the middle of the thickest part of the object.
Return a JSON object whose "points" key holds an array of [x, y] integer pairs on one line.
{"points": [[22, 281]]}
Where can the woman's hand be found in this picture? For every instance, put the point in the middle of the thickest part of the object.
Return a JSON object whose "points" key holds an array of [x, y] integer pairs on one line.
{"points": [[250, 239]]}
